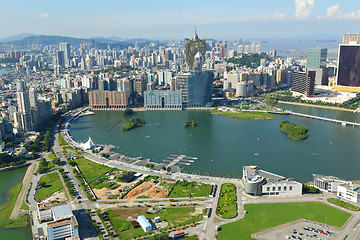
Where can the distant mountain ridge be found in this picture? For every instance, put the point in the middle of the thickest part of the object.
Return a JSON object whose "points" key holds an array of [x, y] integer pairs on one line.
{"points": [[99, 42]]}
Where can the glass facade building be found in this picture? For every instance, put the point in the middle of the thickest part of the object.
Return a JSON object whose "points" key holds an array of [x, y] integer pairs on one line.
{"points": [[349, 65], [199, 89], [316, 58]]}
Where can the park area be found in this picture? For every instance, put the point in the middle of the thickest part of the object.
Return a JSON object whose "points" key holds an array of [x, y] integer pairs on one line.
{"points": [[252, 115], [190, 189], [48, 185], [175, 217], [227, 206], [268, 215]]}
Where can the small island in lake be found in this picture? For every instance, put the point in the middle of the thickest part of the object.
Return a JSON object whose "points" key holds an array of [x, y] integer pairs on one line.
{"points": [[134, 122], [293, 131], [191, 123]]}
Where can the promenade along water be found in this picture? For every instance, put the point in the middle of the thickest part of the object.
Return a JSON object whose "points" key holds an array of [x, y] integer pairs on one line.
{"points": [[10, 179], [224, 145]]}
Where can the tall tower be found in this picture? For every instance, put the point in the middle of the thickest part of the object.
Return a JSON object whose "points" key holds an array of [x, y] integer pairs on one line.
{"points": [[65, 48], [192, 46], [24, 107]]}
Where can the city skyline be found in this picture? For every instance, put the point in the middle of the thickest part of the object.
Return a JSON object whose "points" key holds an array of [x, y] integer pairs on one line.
{"points": [[175, 20]]}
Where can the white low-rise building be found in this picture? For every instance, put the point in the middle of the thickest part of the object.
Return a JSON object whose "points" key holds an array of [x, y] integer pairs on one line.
{"points": [[258, 182], [349, 191]]}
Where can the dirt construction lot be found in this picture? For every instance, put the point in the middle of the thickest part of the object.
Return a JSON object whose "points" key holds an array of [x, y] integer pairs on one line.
{"points": [[151, 189]]}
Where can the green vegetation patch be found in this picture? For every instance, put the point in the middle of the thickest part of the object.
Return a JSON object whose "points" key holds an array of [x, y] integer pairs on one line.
{"points": [[134, 122], [293, 131], [190, 189], [44, 166], [175, 217], [268, 215], [251, 115], [6, 209], [343, 204], [250, 60], [191, 124], [227, 205], [307, 189], [91, 170], [52, 184], [61, 140]]}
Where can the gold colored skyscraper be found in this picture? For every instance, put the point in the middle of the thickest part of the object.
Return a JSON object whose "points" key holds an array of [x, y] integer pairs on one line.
{"points": [[192, 46]]}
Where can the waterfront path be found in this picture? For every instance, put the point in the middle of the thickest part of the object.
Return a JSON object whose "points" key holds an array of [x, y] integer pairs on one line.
{"points": [[16, 210]]}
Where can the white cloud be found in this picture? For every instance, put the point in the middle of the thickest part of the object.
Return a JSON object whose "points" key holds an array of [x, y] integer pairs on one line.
{"points": [[303, 8], [334, 12], [42, 15], [279, 16]]}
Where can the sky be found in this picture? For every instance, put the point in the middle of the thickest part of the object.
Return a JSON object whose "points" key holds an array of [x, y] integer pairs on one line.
{"points": [[230, 19]]}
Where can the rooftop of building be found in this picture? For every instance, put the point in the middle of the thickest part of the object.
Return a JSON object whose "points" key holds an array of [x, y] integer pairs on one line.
{"points": [[255, 174], [62, 211]]}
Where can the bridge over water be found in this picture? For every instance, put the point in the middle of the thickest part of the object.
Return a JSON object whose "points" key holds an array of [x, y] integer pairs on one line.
{"points": [[344, 123]]}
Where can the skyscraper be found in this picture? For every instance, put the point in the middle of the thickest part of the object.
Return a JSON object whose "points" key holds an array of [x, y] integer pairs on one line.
{"points": [[24, 106], [316, 58], [192, 46], [304, 83], [199, 88], [349, 65], [65, 48]]}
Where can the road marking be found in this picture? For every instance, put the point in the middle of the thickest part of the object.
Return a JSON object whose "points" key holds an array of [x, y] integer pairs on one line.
{"points": [[204, 225]]}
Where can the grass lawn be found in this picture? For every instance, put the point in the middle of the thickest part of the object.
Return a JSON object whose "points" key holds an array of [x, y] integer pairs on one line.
{"points": [[51, 156], [24, 206], [184, 189], [91, 170], [62, 142], [53, 184], [227, 206], [6, 209], [246, 115], [356, 181], [269, 215], [69, 148], [343, 204], [174, 216]]}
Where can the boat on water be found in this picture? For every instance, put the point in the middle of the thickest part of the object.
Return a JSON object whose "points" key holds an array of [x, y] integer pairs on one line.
{"points": [[315, 154], [256, 154], [159, 124]]}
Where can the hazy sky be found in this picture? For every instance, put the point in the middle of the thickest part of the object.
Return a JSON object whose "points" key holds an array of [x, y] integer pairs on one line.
{"points": [[176, 19]]}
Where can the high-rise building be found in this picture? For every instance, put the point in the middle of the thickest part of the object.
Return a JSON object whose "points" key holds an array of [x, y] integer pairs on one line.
{"points": [[24, 107], [59, 59], [349, 65], [316, 58], [192, 46], [304, 83], [104, 100], [33, 98], [199, 90], [351, 38], [158, 100], [280, 76], [65, 48]]}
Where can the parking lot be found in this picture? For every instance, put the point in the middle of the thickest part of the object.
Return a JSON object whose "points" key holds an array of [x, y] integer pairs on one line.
{"points": [[300, 230]]}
